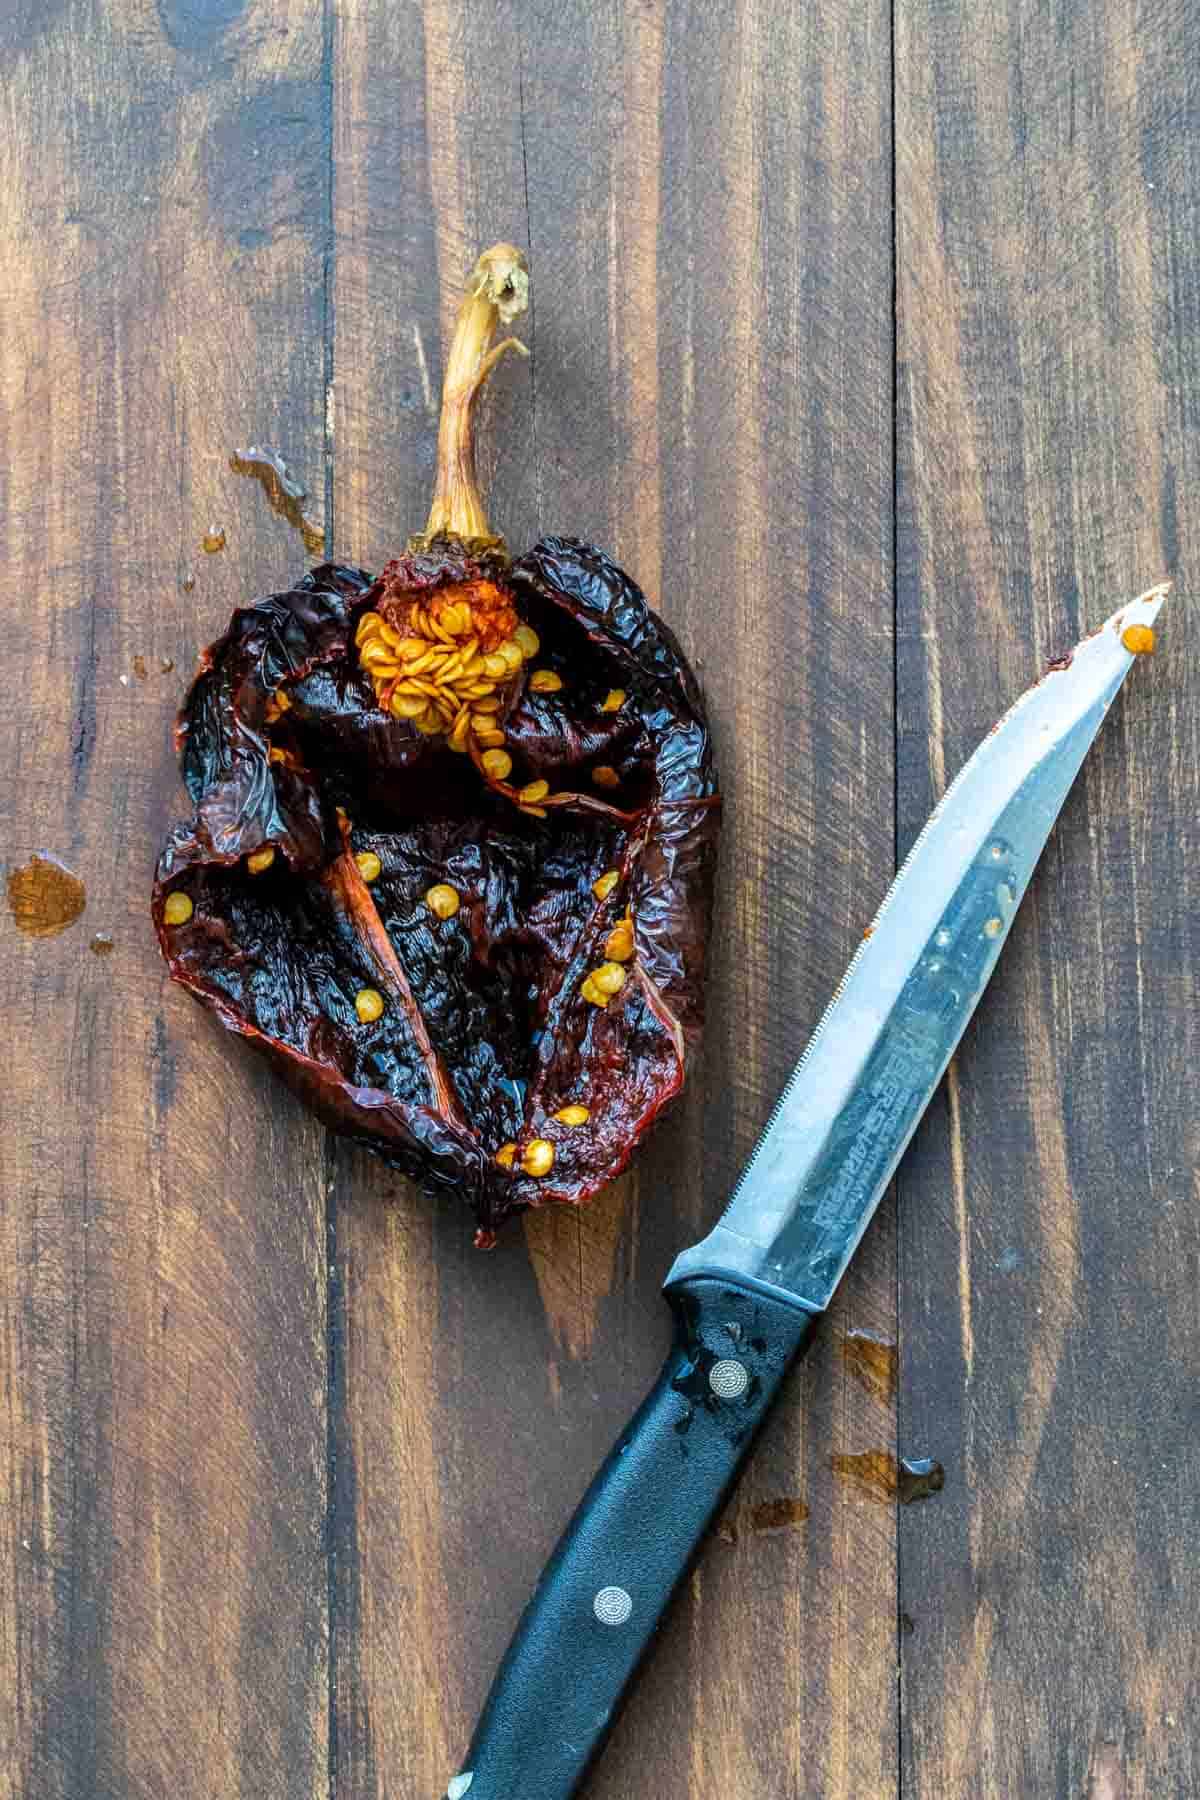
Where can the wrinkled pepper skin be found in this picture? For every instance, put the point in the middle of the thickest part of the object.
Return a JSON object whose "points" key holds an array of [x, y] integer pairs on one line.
{"points": [[484, 1034]]}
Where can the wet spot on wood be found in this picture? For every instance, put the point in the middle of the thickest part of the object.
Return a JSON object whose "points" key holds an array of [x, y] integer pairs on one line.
{"points": [[872, 1361], [213, 540], [102, 944], [765, 1519], [285, 495], [878, 1474], [771, 1516], [45, 897], [139, 668], [873, 1472], [920, 1477]]}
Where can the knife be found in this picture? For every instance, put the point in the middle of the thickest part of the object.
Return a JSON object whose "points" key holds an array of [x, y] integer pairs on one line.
{"points": [[746, 1299]]}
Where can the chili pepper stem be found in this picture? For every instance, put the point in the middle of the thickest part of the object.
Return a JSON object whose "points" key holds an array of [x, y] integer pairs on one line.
{"points": [[497, 293]]}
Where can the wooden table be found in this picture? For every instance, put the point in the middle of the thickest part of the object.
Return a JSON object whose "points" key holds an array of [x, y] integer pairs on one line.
{"points": [[871, 345]]}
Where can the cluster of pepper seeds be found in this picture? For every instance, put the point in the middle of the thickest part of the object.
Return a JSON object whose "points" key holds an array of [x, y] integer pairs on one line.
{"points": [[443, 669]]}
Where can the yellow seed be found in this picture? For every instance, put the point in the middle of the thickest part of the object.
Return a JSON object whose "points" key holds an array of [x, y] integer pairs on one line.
{"points": [[614, 700], [591, 992], [510, 655], [442, 900], [491, 704], [1138, 640], [506, 1155], [497, 763], [428, 724], [283, 700], [368, 1004], [390, 635], [457, 619], [619, 943], [490, 740], [609, 978], [177, 908], [539, 1157], [544, 681], [527, 640], [460, 731], [535, 791], [573, 1115], [420, 664], [603, 887], [412, 647], [407, 706], [534, 812], [369, 865], [496, 667], [478, 690], [258, 860], [376, 655], [605, 777], [368, 625]]}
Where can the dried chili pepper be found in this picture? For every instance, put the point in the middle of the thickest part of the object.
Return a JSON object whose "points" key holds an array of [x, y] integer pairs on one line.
{"points": [[451, 858]]}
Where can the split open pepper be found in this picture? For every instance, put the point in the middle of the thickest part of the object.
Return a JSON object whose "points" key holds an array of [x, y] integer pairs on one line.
{"points": [[451, 857]]}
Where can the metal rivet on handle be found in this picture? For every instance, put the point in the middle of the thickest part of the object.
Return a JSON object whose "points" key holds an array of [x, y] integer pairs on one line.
{"points": [[612, 1606], [459, 1785], [728, 1379]]}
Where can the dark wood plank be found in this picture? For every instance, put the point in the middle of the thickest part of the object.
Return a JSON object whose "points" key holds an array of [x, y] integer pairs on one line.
{"points": [[710, 397], [1048, 182], [439, 1351], [162, 1444]]}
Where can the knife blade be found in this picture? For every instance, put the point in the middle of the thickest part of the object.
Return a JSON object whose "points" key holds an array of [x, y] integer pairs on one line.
{"points": [[746, 1298]]}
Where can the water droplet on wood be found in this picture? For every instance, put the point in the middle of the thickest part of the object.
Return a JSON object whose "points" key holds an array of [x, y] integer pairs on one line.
{"points": [[102, 944], [167, 664], [920, 1477], [188, 583], [139, 668], [45, 896], [877, 1473], [213, 540], [285, 495]]}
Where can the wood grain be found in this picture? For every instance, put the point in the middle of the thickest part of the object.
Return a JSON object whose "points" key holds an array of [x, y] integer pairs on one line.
{"points": [[1047, 183], [440, 1355], [162, 1441], [709, 396], [280, 1454]]}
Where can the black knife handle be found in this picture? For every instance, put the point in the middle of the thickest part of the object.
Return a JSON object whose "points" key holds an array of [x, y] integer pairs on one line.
{"points": [[606, 1586]]}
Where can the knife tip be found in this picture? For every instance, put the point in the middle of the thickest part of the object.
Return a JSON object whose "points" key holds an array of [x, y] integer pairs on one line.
{"points": [[1141, 612]]}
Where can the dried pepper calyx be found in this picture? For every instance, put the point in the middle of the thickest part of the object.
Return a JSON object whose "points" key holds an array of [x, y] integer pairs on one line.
{"points": [[451, 854]]}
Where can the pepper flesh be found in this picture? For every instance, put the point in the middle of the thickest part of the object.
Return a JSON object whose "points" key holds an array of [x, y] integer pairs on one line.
{"points": [[483, 1037]]}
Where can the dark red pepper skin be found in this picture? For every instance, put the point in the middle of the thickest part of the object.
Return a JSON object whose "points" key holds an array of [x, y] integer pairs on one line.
{"points": [[484, 1034]]}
